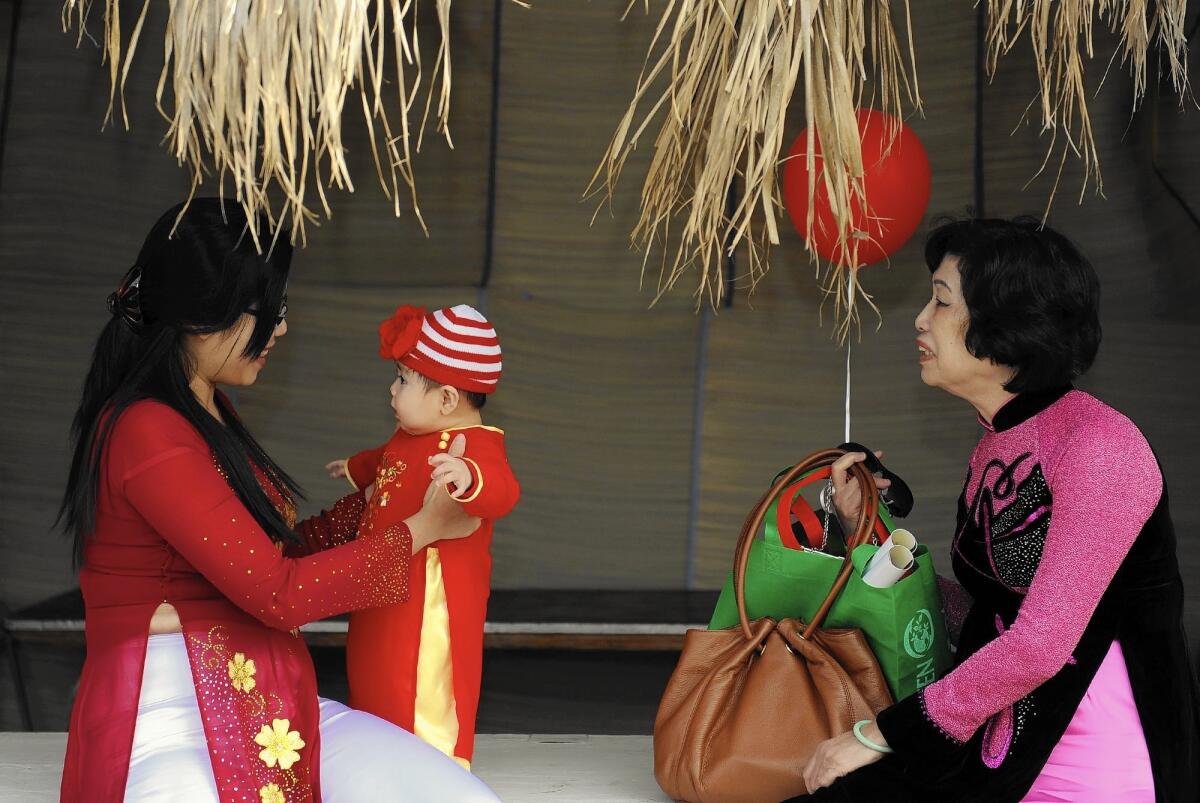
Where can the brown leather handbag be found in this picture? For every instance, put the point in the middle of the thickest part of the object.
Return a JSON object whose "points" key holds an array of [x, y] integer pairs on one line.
{"points": [[747, 706]]}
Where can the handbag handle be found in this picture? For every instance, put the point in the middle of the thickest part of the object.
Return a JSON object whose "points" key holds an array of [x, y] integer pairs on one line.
{"points": [[861, 533]]}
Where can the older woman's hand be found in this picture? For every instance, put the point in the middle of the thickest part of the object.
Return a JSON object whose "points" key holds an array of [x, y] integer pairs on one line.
{"points": [[441, 517], [847, 497], [840, 756]]}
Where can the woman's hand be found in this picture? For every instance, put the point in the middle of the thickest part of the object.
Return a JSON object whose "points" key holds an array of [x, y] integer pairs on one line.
{"points": [[840, 756], [847, 496], [440, 517]]}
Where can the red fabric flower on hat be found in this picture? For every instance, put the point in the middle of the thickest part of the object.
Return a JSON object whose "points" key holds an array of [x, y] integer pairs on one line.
{"points": [[398, 334]]}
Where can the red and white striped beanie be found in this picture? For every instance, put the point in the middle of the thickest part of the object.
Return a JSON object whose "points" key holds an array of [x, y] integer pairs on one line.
{"points": [[454, 346]]}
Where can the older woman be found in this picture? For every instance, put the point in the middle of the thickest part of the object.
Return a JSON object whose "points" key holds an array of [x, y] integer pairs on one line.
{"points": [[195, 574], [1073, 681]]}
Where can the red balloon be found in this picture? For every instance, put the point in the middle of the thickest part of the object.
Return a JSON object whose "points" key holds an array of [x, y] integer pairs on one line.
{"points": [[896, 187]]}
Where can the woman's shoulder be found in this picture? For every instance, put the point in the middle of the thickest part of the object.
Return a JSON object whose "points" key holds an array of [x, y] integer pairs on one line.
{"points": [[155, 423], [1083, 426], [150, 412], [145, 433], [1081, 416]]}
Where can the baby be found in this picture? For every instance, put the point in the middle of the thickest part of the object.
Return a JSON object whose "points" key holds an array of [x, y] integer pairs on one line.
{"points": [[419, 663]]}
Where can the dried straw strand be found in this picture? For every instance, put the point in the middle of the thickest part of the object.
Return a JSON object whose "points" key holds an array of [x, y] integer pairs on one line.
{"points": [[1060, 32], [720, 73], [258, 87]]}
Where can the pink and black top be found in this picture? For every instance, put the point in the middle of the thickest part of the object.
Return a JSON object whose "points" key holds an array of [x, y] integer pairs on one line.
{"points": [[1065, 544]]}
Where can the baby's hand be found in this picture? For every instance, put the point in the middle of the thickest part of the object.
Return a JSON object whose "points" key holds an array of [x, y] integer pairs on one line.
{"points": [[337, 469], [449, 467]]}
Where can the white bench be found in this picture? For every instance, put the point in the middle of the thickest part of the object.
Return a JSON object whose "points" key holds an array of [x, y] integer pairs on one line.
{"points": [[520, 768]]}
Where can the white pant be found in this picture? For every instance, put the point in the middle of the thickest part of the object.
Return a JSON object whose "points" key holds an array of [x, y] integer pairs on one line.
{"points": [[362, 757]]}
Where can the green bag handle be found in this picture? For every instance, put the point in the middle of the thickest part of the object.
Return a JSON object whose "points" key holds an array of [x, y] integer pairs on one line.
{"points": [[864, 527]]}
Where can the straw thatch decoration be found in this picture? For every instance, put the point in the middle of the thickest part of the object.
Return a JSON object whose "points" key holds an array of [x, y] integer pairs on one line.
{"points": [[258, 88], [1060, 32], [730, 68]]}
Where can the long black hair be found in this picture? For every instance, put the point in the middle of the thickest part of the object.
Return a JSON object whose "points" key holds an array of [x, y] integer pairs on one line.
{"points": [[196, 273]]}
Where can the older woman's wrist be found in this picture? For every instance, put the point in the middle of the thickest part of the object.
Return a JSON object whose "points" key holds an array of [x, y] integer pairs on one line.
{"points": [[869, 735], [871, 731]]}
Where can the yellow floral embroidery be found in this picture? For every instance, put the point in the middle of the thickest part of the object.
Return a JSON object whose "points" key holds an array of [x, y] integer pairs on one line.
{"points": [[279, 744], [271, 793], [212, 652], [390, 473], [210, 649], [241, 672]]}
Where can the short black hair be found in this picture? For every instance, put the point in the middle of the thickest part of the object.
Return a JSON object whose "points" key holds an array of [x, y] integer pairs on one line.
{"points": [[1032, 297], [476, 400]]}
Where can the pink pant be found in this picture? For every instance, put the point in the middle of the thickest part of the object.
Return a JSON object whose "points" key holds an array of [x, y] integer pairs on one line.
{"points": [[1102, 758]]}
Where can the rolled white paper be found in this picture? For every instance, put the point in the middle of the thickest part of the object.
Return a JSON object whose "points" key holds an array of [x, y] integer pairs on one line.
{"points": [[899, 537], [887, 572]]}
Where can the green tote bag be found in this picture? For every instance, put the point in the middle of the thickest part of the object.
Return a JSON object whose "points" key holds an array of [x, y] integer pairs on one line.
{"points": [[903, 624]]}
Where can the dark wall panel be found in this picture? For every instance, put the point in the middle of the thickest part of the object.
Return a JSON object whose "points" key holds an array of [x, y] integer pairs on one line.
{"points": [[598, 390], [365, 245]]}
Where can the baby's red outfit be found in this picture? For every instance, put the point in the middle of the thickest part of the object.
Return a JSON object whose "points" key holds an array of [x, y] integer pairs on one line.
{"points": [[419, 663]]}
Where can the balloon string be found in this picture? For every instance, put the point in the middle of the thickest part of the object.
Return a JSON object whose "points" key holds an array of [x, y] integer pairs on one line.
{"points": [[849, 303]]}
